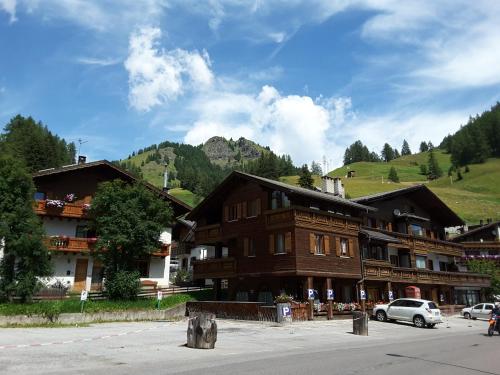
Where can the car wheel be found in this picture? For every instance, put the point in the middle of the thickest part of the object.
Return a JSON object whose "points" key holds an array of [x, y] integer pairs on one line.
{"points": [[431, 325], [466, 316], [419, 321], [381, 316]]}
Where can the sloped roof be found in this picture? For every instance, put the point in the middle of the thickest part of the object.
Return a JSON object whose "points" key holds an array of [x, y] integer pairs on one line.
{"points": [[475, 230], [379, 236], [281, 186], [424, 197], [179, 206]]}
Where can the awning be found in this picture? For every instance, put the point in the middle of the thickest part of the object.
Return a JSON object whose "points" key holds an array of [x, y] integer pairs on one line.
{"points": [[373, 235]]}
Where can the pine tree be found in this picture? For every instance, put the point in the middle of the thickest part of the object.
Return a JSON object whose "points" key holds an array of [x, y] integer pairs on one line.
{"points": [[387, 153], [424, 147], [423, 169], [316, 169], [434, 171], [25, 256], [305, 178], [393, 175], [405, 149]]}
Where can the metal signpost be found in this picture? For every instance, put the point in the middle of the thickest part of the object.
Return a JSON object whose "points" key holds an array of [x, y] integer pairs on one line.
{"points": [[159, 297], [83, 298]]}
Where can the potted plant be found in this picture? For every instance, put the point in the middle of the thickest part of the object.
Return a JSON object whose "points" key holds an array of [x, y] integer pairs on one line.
{"points": [[284, 308], [70, 198]]}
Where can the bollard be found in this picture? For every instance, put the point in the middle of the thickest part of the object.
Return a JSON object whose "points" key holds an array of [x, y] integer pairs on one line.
{"points": [[202, 331], [360, 323]]}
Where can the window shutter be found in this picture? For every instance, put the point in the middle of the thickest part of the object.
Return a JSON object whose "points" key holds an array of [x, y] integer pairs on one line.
{"points": [[245, 246], [326, 245], [312, 243], [337, 246], [238, 211], [226, 213], [244, 209], [258, 206], [271, 244], [350, 250], [288, 242]]}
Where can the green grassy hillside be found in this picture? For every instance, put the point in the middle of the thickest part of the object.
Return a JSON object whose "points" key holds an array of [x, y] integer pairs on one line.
{"points": [[475, 197]]}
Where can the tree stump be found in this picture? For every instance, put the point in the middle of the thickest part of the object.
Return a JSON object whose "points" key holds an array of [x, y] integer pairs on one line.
{"points": [[202, 331], [360, 323]]}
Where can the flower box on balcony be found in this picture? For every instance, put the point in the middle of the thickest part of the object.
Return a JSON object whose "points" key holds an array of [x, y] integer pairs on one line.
{"points": [[54, 203]]}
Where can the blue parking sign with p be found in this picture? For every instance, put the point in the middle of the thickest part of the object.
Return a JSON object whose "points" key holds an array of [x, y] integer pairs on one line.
{"points": [[391, 295], [287, 311], [310, 293], [330, 294], [362, 294]]}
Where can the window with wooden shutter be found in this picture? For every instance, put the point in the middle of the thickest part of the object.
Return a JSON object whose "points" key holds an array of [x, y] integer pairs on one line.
{"points": [[351, 248], [271, 244], [288, 242], [326, 244], [312, 243], [226, 213], [258, 204], [337, 246], [245, 246]]}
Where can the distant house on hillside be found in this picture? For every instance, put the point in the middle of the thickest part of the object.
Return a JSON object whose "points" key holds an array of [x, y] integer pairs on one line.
{"points": [[481, 242], [63, 197]]}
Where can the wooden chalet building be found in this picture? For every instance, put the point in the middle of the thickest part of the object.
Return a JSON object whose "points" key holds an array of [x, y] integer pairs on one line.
{"points": [[403, 243], [272, 238], [63, 196], [481, 242]]}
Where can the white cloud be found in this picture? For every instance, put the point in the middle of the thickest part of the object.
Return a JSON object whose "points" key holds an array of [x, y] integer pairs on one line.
{"points": [[295, 125], [9, 6], [157, 76], [97, 61]]}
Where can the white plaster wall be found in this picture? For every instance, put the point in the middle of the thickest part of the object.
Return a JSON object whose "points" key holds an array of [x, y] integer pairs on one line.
{"points": [[436, 258], [64, 227], [159, 271]]}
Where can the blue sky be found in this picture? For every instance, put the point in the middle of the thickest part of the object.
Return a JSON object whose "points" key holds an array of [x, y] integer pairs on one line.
{"points": [[307, 78]]}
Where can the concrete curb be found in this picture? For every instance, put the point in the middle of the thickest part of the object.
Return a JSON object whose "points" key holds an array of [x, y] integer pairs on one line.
{"points": [[176, 312]]}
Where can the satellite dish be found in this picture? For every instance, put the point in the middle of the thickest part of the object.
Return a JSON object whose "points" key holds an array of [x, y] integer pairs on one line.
{"points": [[396, 212]]}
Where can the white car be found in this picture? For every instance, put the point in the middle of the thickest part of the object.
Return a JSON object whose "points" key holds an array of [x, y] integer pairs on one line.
{"points": [[479, 311], [419, 311]]}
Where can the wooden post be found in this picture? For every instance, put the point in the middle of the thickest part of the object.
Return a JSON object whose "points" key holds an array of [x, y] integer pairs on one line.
{"points": [[360, 323], [389, 288], [363, 301], [330, 305], [310, 285]]}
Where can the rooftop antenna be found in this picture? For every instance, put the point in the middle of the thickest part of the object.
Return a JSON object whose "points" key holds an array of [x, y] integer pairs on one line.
{"points": [[80, 143]]}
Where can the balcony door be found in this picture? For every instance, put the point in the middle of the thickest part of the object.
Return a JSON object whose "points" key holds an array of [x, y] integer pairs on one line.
{"points": [[80, 274]]}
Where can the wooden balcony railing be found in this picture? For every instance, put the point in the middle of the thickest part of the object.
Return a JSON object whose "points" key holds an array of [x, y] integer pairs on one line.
{"points": [[208, 233], [422, 245], [68, 210], [214, 268], [485, 245], [423, 276], [69, 244], [308, 218], [85, 245]]}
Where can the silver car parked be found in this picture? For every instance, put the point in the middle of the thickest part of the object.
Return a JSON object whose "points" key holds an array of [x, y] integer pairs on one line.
{"points": [[479, 311]]}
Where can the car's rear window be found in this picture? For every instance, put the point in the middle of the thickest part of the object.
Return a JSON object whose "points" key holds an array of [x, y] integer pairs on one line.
{"points": [[432, 305]]}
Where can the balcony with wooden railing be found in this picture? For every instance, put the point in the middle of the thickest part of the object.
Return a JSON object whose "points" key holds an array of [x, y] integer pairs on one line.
{"points": [[85, 245], [374, 271], [214, 268], [208, 234], [424, 245], [70, 244], [311, 219], [73, 210]]}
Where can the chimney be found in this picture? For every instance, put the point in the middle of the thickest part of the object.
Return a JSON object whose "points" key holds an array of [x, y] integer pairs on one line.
{"points": [[82, 159], [489, 220], [333, 186], [165, 180], [481, 222]]}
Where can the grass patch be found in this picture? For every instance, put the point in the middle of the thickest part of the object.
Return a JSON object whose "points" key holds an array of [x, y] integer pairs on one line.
{"points": [[51, 309], [185, 195]]}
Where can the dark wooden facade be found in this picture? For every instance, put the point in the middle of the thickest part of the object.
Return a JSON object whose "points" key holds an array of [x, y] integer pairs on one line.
{"points": [[272, 238]]}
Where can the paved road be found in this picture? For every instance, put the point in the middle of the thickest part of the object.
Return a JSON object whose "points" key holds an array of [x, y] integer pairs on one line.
{"points": [[457, 347]]}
